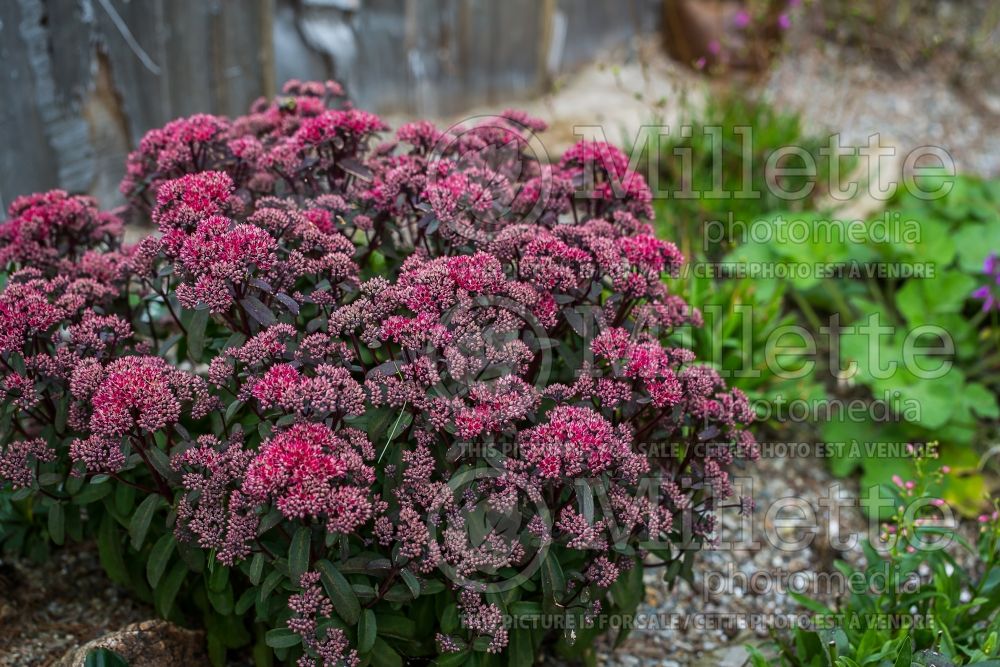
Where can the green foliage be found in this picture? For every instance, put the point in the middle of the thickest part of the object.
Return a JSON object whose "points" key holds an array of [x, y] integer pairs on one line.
{"points": [[839, 274], [742, 322], [726, 153], [896, 616], [103, 657], [718, 174], [909, 333]]}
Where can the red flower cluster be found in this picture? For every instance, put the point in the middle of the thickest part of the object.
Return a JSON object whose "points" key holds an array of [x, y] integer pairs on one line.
{"points": [[579, 442]]}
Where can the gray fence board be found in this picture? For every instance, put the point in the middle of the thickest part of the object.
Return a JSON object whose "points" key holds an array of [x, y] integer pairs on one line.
{"points": [[83, 80]]}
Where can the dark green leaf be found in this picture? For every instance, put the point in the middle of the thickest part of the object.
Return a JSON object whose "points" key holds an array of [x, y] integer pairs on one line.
{"points": [[298, 553], [282, 638], [627, 592], [124, 501], [222, 601], [256, 568], [521, 649], [245, 602], [452, 659], [109, 548], [340, 592], [232, 409], [431, 587], [397, 626], [411, 582], [195, 324], [216, 650], [270, 520], [50, 479], [62, 413], [218, 578], [268, 587], [91, 493], [553, 580], [166, 592], [905, 656], [263, 656], [398, 593], [449, 618], [384, 655], [169, 343], [193, 556], [158, 558], [57, 523], [258, 311], [139, 525], [103, 657], [367, 628]]}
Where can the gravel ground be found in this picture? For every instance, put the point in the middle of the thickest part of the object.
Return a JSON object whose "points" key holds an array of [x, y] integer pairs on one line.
{"points": [[836, 91], [48, 609], [708, 623]]}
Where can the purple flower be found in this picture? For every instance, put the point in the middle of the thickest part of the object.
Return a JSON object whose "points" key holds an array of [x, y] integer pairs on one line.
{"points": [[989, 293]]}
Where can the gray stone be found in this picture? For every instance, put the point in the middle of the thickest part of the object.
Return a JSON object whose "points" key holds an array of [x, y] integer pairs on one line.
{"points": [[147, 644]]}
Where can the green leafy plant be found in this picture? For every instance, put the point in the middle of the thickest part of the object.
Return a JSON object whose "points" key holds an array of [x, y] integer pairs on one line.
{"points": [[910, 334], [912, 603], [743, 324], [103, 657], [719, 173]]}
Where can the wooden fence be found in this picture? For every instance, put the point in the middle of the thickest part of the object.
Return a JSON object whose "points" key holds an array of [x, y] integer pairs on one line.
{"points": [[82, 80]]}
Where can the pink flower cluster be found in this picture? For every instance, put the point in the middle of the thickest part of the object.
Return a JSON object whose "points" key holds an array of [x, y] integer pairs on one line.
{"points": [[310, 471], [55, 229], [18, 461], [292, 145], [130, 398], [209, 512], [332, 391], [309, 607], [386, 343], [579, 442], [238, 263]]}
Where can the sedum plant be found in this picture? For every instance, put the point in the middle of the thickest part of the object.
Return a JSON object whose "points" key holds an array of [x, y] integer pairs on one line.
{"points": [[359, 402]]}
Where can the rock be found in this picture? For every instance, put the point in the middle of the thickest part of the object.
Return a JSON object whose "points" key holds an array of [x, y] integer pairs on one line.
{"points": [[147, 644], [733, 656]]}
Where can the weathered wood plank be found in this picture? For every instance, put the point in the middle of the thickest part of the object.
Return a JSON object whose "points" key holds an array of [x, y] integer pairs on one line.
{"points": [[83, 80]]}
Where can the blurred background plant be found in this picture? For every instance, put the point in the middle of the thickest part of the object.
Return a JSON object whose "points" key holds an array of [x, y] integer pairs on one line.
{"points": [[912, 603], [913, 263], [954, 399]]}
